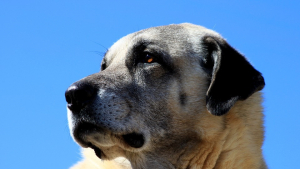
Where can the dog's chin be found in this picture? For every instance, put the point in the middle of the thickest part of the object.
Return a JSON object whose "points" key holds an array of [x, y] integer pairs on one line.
{"points": [[89, 135]]}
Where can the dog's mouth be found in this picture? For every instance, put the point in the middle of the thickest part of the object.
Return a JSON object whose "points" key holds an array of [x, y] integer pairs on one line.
{"points": [[134, 140], [84, 134]]}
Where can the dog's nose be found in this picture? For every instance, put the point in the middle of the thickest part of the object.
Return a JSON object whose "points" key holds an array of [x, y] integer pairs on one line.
{"points": [[79, 94]]}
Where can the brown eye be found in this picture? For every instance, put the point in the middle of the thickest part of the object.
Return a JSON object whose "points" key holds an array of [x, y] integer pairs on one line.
{"points": [[149, 58]]}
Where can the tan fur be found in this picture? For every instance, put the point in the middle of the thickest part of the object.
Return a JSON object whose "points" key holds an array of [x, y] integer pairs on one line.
{"points": [[230, 141]]}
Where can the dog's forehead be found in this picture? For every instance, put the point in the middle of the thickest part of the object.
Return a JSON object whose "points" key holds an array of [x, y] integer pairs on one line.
{"points": [[174, 36]]}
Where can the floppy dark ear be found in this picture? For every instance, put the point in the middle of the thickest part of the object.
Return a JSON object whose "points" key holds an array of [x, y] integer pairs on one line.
{"points": [[232, 76]]}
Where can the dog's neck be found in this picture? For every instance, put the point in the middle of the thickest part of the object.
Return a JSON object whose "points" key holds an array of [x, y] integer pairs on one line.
{"points": [[191, 155], [220, 154], [234, 145]]}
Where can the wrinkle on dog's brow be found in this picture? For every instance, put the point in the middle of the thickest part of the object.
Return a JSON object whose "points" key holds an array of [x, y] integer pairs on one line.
{"points": [[141, 44]]}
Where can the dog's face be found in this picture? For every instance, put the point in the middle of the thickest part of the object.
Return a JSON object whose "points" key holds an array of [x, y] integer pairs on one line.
{"points": [[157, 90]]}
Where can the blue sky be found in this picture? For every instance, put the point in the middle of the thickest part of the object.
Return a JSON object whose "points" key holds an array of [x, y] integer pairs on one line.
{"points": [[47, 45]]}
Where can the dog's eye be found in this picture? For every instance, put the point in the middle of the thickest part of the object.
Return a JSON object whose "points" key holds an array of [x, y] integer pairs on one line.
{"points": [[148, 58]]}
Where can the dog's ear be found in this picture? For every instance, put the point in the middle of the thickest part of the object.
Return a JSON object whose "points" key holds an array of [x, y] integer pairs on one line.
{"points": [[232, 77]]}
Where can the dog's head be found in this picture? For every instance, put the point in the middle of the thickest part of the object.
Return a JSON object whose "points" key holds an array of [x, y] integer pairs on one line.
{"points": [[155, 88]]}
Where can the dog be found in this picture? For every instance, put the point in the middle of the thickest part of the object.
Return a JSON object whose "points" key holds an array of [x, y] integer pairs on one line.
{"points": [[176, 96]]}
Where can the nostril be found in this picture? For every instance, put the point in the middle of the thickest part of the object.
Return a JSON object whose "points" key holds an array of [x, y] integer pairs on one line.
{"points": [[79, 94]]}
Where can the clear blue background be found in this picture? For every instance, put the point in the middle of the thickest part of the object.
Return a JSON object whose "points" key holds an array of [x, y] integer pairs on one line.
{"points": [[47, 45]]}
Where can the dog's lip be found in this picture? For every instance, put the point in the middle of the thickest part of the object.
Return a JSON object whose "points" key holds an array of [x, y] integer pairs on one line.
{"points": [[133, 140], [82, 129], [129, 140]]}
